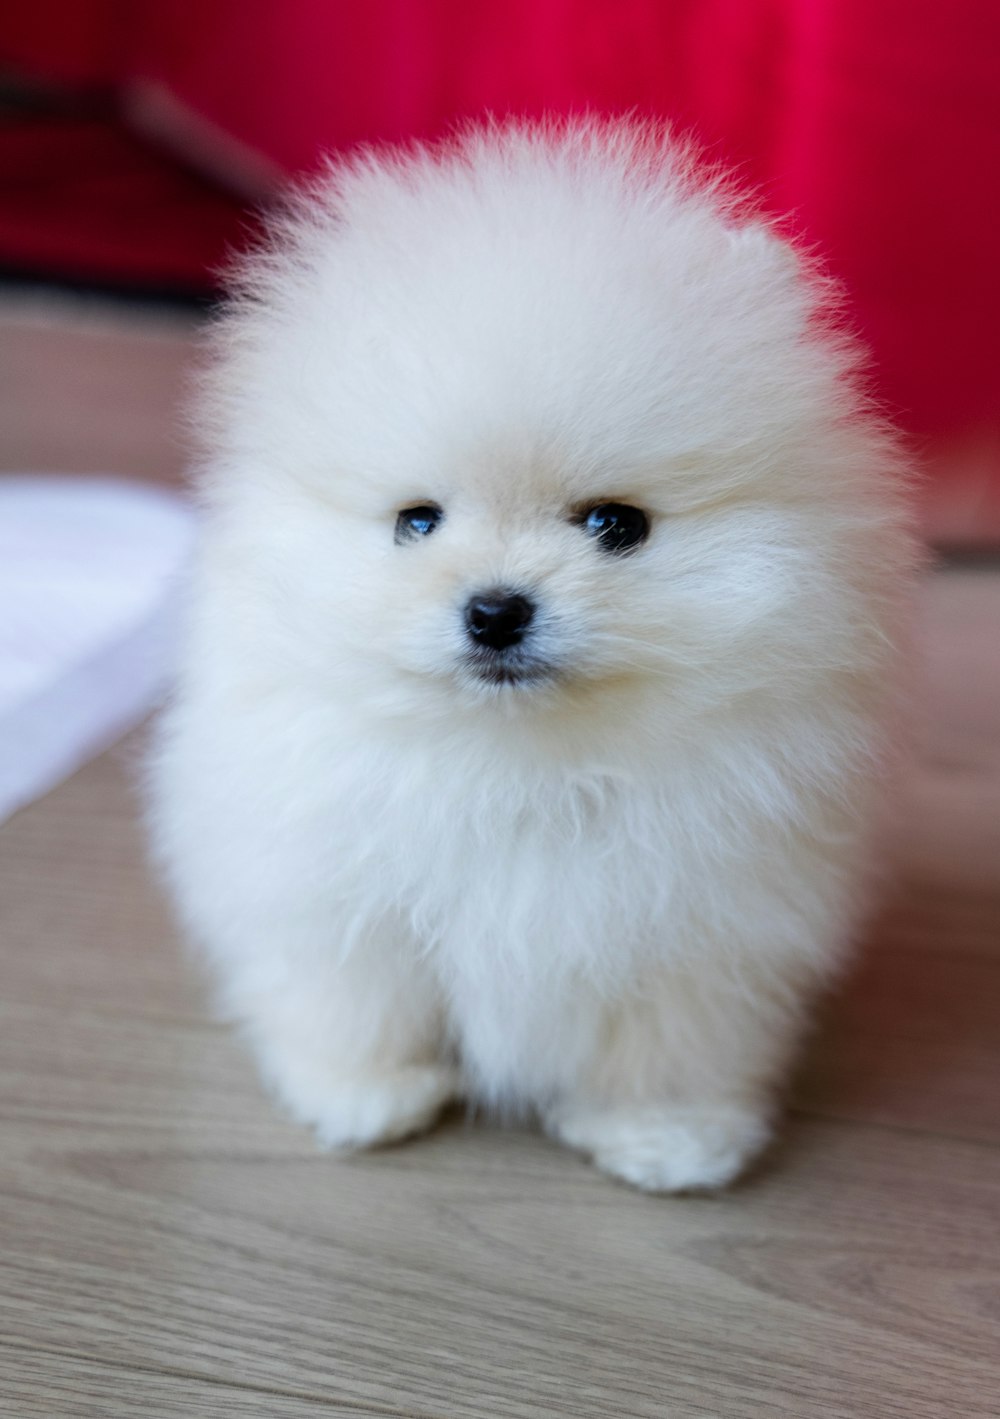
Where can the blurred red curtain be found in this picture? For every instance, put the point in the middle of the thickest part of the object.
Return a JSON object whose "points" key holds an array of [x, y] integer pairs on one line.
{"points": [[875, 126]]}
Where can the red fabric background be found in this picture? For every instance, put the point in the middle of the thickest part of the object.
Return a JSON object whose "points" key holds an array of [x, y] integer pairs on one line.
{"points": [[875, 126]]}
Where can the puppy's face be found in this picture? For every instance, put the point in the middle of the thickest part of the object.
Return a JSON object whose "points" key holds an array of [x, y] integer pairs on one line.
{"points": [[518, 574], [510, 634], [510, 594]]}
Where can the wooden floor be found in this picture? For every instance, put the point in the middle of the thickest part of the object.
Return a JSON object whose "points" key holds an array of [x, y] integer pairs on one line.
{"points": [[170, 1246]]}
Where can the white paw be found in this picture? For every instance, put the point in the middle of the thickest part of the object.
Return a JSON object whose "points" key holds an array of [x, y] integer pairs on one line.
{"points": [[374, 1108], [664, 1149]]}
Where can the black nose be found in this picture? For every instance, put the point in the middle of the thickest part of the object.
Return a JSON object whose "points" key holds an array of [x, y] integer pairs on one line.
{"points": [[498, 619]]}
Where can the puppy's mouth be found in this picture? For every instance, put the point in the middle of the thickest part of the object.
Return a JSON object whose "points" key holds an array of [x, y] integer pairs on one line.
{"points": [[509, 668]]}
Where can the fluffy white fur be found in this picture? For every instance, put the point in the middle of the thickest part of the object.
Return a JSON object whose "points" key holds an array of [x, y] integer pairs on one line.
{"points": [[610, 894]]}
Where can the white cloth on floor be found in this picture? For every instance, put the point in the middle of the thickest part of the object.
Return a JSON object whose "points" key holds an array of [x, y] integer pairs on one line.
{"points": [[89, 605]]}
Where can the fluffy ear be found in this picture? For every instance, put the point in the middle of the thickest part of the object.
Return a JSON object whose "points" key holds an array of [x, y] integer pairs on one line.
{"points": [[784, 278], [756, 244]]}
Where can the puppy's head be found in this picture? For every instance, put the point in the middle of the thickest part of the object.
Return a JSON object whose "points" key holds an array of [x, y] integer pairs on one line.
{"points": [[537, 422]]}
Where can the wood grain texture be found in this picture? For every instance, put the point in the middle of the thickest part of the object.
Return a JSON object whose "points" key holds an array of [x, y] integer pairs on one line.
{"points": [[41, 1383]]}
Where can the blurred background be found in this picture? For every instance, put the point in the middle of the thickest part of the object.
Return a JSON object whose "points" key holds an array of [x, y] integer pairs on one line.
{"points": [[139, 137]]}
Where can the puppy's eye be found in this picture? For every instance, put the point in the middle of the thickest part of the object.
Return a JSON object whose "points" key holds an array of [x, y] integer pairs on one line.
{"points": [[419, 521], [616, 526]]}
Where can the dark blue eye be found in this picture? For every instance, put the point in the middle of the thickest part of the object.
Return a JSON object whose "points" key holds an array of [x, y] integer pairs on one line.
{"points": [[616, 526], [419, 521]]}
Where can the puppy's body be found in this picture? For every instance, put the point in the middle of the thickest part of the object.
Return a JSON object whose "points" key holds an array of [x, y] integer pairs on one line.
{"points": [[598, 860]]}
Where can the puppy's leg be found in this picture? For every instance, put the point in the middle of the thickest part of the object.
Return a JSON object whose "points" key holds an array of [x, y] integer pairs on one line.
{"points": [[353, 1047], [677, 1090]]}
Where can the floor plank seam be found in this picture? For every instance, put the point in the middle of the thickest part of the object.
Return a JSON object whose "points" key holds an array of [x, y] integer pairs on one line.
{"points": [[197, 1377]]}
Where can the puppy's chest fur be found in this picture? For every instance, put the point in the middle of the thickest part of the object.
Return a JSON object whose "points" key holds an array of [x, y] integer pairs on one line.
{"points": [[520, 896], [521, 875], [500, 853]]}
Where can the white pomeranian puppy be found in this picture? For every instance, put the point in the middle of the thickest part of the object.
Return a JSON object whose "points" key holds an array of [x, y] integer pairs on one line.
{"points": [[539, 674]]}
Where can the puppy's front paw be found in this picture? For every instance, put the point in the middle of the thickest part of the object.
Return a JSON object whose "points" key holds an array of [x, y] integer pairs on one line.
{"points": [[368, 1109], [665, 1149]]}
